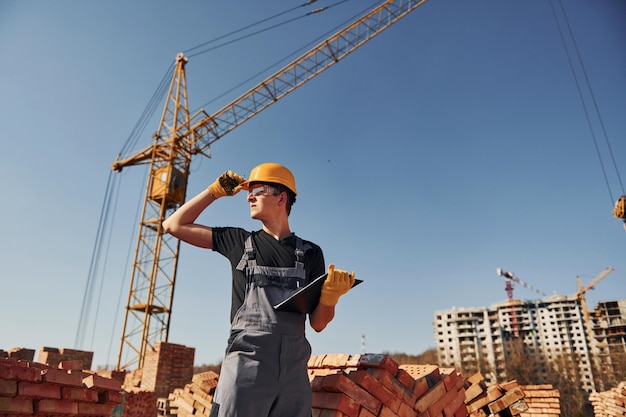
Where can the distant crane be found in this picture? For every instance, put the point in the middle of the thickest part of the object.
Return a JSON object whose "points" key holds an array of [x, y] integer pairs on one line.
{"points": [[510, 276], [580, 295]]}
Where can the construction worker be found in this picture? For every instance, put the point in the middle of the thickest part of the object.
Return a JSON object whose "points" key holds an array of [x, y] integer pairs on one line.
{"points": [[264, 371]]}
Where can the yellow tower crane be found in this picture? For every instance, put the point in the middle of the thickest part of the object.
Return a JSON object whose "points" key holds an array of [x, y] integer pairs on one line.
{"points": [[580, 296], [582, 300], [179, 137]]}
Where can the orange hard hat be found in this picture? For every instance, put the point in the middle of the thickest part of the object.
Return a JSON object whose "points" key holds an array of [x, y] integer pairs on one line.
{"points": [[274, 173]]}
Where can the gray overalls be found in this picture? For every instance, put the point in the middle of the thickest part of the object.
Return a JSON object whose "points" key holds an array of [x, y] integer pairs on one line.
{"points": [[264, 372]]}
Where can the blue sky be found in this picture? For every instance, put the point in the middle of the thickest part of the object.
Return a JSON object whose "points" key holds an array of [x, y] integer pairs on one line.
{"points": [[454, 143]]}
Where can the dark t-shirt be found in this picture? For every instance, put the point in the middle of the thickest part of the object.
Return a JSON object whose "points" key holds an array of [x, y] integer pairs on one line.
{"points": [[230, 242]]}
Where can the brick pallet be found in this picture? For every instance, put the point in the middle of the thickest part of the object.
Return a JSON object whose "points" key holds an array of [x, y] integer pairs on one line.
{"points": [[610, 403], [36, 389], [497, 399], [542, 400], [510, 399], [374, 385]]}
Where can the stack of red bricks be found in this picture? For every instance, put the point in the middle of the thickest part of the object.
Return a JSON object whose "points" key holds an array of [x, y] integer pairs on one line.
{"points": [[542, 400], [506, 399], [31, 388], [139, 403], [609, 403], [53, 356], [166, 367], [194, 399], [373, 385]]}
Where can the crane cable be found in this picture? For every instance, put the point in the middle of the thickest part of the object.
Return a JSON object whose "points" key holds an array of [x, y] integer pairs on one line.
{"points": [[291, 55], [580, 94], [161, 89], [188, 51], [94, 266]]}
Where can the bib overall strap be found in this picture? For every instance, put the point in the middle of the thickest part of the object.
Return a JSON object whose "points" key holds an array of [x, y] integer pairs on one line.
{"points": [[288, 278], [248, 254]]}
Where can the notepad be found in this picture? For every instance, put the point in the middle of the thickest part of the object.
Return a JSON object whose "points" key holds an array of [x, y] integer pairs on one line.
{"points": [[306, 298]]}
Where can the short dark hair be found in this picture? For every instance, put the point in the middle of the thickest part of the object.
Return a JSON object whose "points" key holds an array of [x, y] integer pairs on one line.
{"points": [[291, 196]]}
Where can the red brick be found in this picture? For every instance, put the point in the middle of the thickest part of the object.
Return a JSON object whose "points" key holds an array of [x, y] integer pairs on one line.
{"points": [[341, 383], [447, 398], [450, 378], [477, 403], [100, 382], [405, 379], [91, 409], [393, 385], [20, 373], [430, 372], [29, 389], [16, 405], [461, 412], [494, 392], [406, 411], [430, 397], [8, 388], [473, 391], [506, 400], [336, 401], [476, 378], [370, 360], [79, 394], [74, 365], [366, 413], [451, 409], [507, 386], [386, 412], [420, 387], [62, 377], [376, 388], [47, 406], [336, 360], [316, 383], [113, 397]]}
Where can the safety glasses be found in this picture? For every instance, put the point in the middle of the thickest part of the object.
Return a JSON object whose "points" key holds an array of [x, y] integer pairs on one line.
{"points": [[262, 189]]}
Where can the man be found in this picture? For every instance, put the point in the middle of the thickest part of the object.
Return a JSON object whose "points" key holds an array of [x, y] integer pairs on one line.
{"points": [[264, 372]]}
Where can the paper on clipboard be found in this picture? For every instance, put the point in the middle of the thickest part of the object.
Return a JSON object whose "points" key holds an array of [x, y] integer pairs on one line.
{"points": [[305, 300]]}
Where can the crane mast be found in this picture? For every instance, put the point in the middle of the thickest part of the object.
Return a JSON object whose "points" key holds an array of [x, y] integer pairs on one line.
{"points": [[179, 137]]}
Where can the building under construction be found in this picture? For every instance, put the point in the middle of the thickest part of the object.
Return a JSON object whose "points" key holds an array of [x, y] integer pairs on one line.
{"points": [[609, 336], [483, 339]]}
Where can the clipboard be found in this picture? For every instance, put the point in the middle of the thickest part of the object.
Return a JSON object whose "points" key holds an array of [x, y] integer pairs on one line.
{"points": [[306, 298]]}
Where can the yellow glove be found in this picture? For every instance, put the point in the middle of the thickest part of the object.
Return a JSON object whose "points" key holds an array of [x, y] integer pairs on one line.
{"points": [[336, 284], [227, 184]]}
